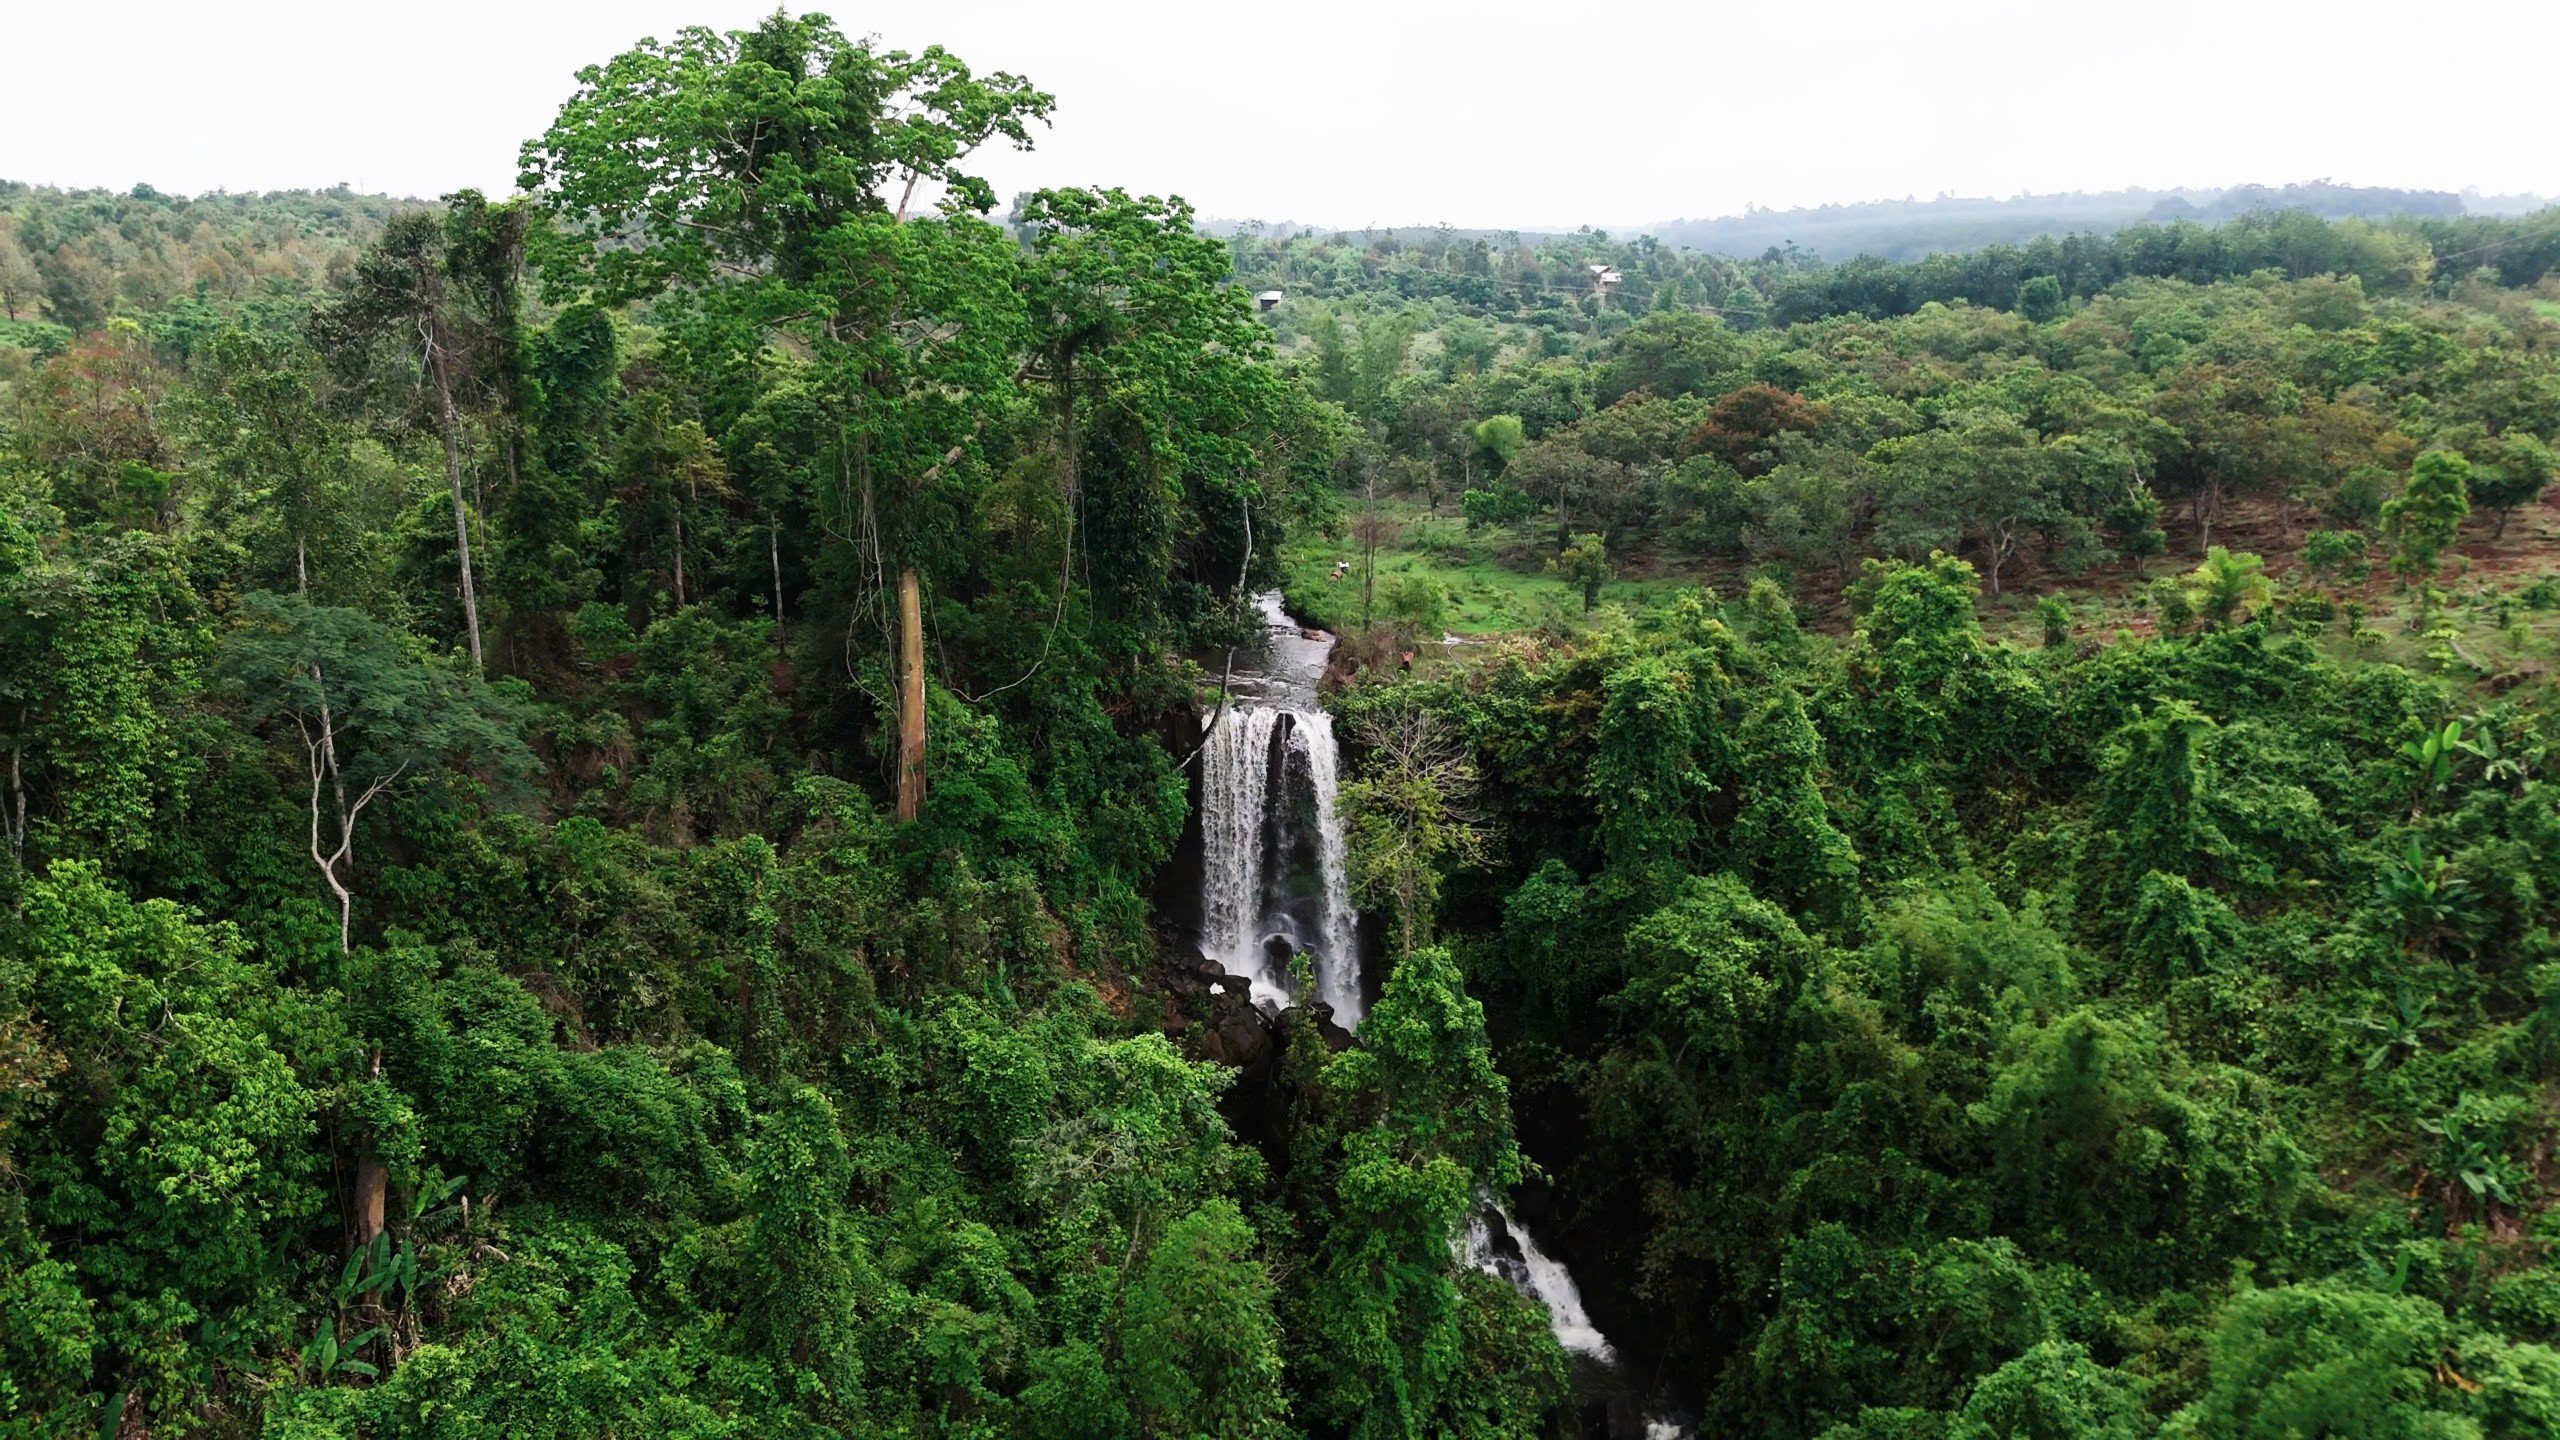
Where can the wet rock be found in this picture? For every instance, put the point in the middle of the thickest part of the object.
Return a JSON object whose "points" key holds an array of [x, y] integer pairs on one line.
{"points": [[1184, 970], [1336, 1038], [1235, 1032]]}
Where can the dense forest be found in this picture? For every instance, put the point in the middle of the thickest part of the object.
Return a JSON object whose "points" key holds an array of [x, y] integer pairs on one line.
{"points": [[625, 809], [2050, 409]]}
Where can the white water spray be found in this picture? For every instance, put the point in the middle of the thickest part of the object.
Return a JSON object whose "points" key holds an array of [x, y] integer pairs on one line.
{"points": [[1235, 767], [1503, 1248], [1538, 1277], [1338, 978]]}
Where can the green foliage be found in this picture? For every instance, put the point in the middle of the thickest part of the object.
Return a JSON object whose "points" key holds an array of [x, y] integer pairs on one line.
{"points": [[2520, 469], [196, 1161], [1203, 1346], [2055, 618], [2337, 556], [2326, 1359], [2228, 589], [2053, 1390], [2427, 516], [1391, 1325], [2040, 299], [100, 642], [1585, 565], [1898, 1032]]}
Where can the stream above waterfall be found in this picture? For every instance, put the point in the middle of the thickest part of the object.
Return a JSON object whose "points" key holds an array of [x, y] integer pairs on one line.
{"points": [[1274, 879]]}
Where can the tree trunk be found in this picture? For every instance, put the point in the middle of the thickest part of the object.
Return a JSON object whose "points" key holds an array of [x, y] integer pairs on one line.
{"points": [[679, 555], [373, 1183], [1369, 547], [1070, 448], [453, 478], [910, 695], [324, 768], [373, 1187], [17, 816], [773, 550]]}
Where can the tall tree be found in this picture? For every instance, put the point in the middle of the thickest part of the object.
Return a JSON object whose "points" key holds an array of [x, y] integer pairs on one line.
{"points": [[21, 284], [2225, 416], [2428, 515], [749, 175], [1131, 321], [282, 459], [428, 307], [363, 714], [1985, 479], [668, 465], [2519, 469]]}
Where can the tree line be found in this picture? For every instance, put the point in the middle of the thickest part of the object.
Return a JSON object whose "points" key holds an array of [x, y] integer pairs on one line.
{"points": [[2058, 432]]}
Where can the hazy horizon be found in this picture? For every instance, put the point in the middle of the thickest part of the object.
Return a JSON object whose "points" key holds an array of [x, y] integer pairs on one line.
{"points": [[1649, 114]]}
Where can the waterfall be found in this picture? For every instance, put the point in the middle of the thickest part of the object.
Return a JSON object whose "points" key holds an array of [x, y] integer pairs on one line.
{"points": [[1235, 771], [1338, 977], [1268, 766], [1502, 1247]]}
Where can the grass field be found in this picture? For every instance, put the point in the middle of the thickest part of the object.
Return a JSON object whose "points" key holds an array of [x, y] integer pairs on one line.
{"points": [[1495, 584]]}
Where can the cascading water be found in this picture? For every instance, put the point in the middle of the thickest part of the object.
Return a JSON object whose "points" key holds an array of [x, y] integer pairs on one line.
{"points": [[1503, 1248], [1272, 856], [1338, 973], [1275, 881], [1531, 1272]]}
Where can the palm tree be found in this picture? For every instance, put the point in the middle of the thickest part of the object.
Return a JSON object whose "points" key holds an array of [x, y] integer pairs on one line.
{"points": [[2227, 589]]}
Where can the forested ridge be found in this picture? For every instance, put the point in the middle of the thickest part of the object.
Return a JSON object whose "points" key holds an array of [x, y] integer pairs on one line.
{"points": [[1912, 229], [603, 789]]}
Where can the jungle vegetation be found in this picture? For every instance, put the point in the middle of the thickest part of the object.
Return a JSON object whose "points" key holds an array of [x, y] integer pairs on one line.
{"points": [[589, 777]]}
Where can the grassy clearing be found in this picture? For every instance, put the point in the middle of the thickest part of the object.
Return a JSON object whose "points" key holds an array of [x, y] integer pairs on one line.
{"points": [[1494, 585]]}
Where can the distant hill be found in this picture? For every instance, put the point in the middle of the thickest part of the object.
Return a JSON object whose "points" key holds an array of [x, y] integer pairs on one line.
{"points": [[70, 259], [1909, 229]]}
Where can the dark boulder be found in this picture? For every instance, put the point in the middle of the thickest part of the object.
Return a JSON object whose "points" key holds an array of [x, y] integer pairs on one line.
{"points": [[1336, 1039]]}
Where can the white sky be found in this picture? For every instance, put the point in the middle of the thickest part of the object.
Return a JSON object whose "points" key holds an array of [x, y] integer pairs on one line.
{"points": [[1535, 116]]}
